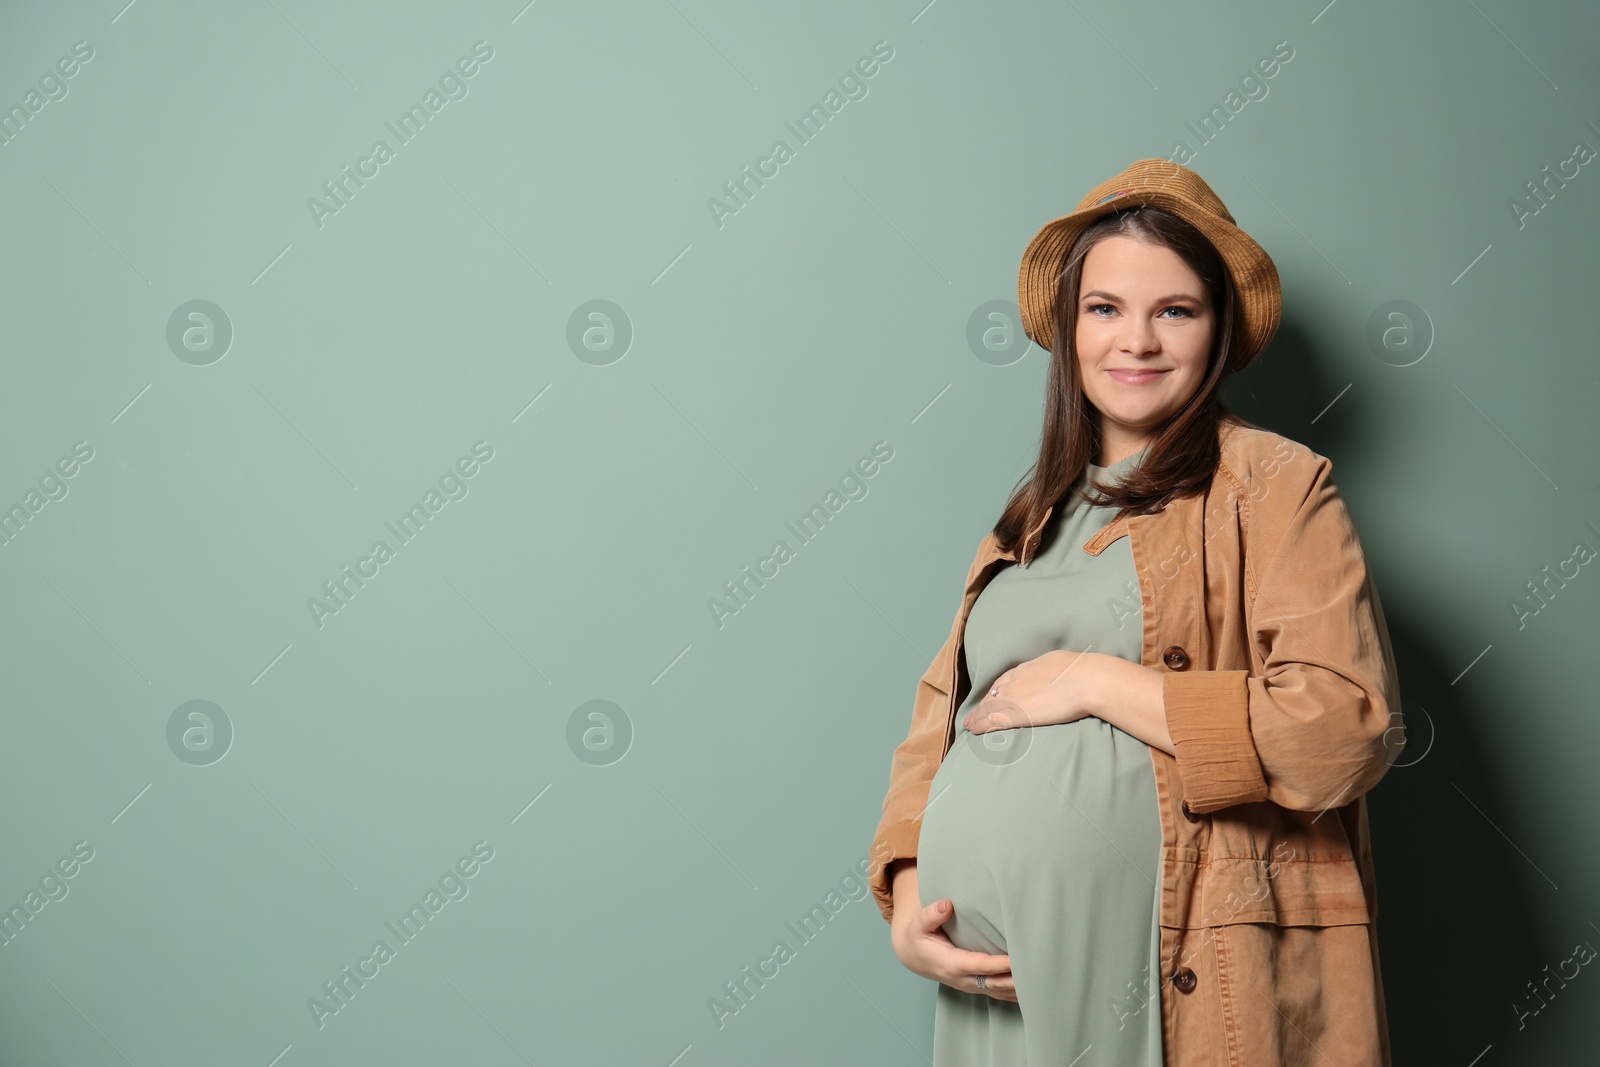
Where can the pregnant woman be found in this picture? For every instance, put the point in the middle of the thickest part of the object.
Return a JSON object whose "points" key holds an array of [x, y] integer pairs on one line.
{"points": [[1146, 843], [1085, 894]]}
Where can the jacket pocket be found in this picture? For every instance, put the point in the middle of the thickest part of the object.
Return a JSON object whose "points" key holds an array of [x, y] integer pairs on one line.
{"points": [[1296, 996], [1294, 892]]}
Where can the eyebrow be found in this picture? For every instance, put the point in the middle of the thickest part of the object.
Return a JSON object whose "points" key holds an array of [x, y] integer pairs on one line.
{"points": [[1160, 300]]}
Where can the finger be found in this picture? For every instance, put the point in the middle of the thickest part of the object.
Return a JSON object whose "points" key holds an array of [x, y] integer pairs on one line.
{"points": [[1001, 987], [935, 915], [1007, 714], [989, 724], [962, 961], [993, 987]]}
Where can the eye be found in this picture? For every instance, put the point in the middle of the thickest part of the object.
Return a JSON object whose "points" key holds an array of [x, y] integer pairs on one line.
{"points": [[1186, 312], [1095, 307]]}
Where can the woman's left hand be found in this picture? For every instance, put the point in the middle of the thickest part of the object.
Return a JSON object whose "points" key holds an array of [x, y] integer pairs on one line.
{"points": [[1057, 687]]}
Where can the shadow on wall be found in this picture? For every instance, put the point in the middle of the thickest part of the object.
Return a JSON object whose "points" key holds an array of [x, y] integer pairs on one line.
{"points": [[1461, 914]]}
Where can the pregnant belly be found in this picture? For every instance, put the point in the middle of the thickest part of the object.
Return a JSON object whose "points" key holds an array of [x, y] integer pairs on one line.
{"points": [[1065, 812]]}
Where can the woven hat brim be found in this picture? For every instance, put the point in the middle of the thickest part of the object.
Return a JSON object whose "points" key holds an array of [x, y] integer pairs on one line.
{"points": [[1254, 275]]}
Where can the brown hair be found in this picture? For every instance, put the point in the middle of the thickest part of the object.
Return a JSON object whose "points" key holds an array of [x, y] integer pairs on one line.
{"points": [[1182, 455]]}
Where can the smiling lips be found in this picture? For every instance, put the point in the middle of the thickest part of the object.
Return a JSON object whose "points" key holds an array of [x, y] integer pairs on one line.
{"points": [[1136, 377]]}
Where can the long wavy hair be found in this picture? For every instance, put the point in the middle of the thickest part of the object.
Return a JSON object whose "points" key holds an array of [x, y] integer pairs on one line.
{"points": [[1182, 456]]}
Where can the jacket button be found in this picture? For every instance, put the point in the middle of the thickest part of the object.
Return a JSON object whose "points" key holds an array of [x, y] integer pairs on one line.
{"points": [[1184, 979], [1191, 816], [1176, 658]]}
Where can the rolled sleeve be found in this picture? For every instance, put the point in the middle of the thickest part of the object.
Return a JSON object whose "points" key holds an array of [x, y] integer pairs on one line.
{"points": [[1208, 716], [1310, 727]]}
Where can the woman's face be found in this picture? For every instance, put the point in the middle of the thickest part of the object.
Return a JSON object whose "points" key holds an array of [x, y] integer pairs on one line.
{"points": [[1143, 334]]}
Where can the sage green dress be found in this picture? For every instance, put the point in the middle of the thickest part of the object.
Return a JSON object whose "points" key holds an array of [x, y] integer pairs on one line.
{"points": [[1046, 839]]}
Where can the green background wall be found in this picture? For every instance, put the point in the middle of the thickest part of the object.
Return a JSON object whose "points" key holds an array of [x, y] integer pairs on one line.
{"points": [[233, 457]]}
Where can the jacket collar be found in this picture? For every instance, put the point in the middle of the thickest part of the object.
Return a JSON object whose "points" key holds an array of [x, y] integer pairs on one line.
{"points": [[990, 550]]}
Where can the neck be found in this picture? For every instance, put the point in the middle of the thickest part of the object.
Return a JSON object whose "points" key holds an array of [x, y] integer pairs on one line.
{"points": [[1117, 444], [1112, 454]]}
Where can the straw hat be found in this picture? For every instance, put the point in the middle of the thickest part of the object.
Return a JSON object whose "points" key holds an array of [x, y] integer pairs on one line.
{"points": [[1178, 189]]}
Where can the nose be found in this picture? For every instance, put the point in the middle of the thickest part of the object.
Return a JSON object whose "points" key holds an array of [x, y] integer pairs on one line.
{"points": [[1139, 335]]}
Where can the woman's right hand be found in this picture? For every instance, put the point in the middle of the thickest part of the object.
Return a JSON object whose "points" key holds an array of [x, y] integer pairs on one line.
{"points": [[923, 948]]}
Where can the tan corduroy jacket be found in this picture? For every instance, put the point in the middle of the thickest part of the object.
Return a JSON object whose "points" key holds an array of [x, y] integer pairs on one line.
{"points": [[1283, 703]]}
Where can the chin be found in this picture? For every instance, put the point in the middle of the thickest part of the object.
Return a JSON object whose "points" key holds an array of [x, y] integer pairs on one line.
{"points": [[1144, 419]]}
